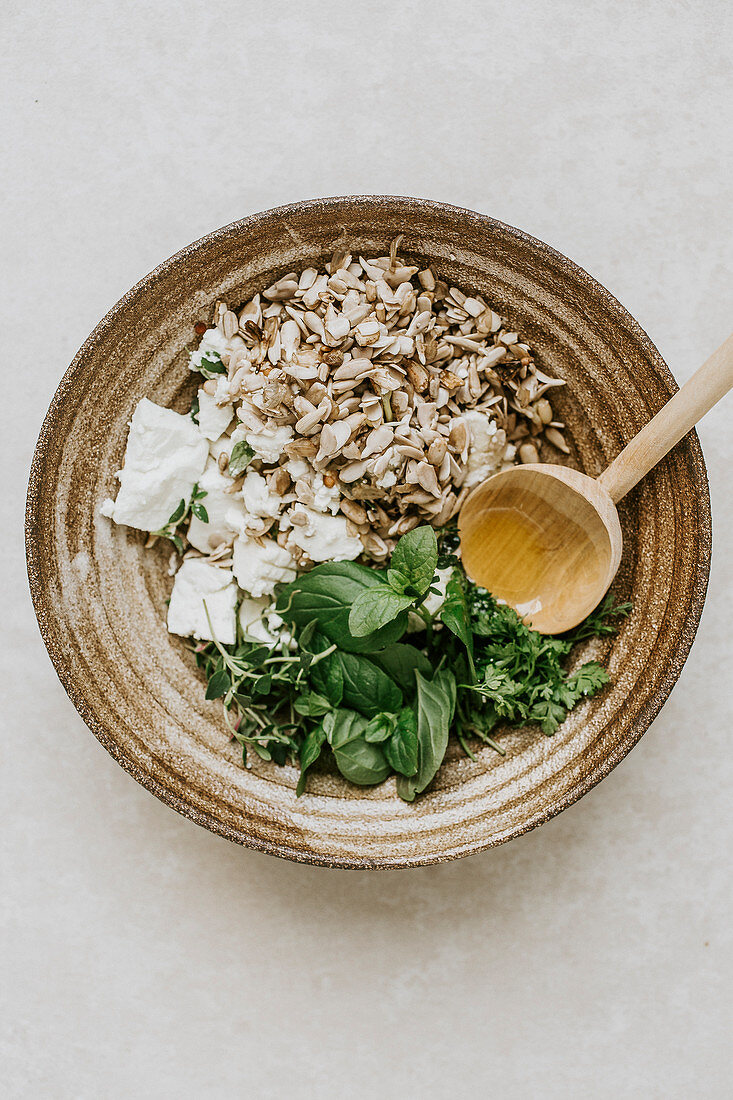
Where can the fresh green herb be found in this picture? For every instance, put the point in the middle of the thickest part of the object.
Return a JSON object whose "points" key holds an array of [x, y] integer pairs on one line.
{"points": [[407, 581], [210, 365], [240, 458], [169, 531], [195, 409], [353, 689]]}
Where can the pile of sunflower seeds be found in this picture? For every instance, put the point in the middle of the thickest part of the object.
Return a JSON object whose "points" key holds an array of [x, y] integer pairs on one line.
{"points": [[401, 390]]}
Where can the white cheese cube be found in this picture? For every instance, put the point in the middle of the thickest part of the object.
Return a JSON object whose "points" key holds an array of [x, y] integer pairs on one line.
{"points": [[259, 566], [255, 620], [197, 583], [225, 511], [269, 443], [213, 419], [325, 538], [165, 456], [258, 500]]}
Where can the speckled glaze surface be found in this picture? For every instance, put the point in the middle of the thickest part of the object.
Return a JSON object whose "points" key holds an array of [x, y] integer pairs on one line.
{"points": [[100, 598]]}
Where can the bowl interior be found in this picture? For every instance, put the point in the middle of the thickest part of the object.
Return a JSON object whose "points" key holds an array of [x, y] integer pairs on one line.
{"points": [[100, 597]]}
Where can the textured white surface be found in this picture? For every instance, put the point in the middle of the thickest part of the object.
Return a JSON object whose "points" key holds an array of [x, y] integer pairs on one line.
{"points": [[145, 957]]}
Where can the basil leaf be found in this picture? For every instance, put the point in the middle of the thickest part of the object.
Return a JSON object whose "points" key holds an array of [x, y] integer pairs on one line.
{"points": [[416, 557], [401, 749], [364, 686], [218, 685], [455, 614], [312, 704], [379, 728], [436, 702], [327, 678], [240, 458], [310, 750], [356, 759], [326, 594], [375, 608], [401, 661]]}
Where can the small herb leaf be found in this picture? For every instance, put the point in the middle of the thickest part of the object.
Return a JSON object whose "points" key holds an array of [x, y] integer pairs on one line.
{"points": [[375, 608], [240, 458], [416, 557]]}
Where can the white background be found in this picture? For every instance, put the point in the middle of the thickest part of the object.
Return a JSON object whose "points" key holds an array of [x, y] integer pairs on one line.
{"points": [[143, 957]]}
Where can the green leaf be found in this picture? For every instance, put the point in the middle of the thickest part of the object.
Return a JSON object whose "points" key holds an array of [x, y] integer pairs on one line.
{"points": [[400, 661], [588, 679], [436, 703], [327, 677], [358, 761], [240, 458], [364, 686], [211, 365], [312, 705], [416, 557], [326, 594], [200, 512], [454, 612], [375, 608], [380, 728], [401, 750], [178, 514], [310, 750], [219, 684]]}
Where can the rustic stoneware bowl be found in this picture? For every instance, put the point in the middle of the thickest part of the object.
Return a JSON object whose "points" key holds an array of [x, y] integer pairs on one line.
{"points": [[100, 597]]}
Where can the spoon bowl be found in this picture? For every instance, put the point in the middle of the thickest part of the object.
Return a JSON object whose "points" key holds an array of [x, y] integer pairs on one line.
{"points": [[545, 539]]}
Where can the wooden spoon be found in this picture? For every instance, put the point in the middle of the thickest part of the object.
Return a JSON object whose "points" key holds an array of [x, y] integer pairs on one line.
{"points": [[547, 539]]}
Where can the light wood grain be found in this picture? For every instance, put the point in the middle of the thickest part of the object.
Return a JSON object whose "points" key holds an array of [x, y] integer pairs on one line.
{"points": [[547, 539], [706, 387]]}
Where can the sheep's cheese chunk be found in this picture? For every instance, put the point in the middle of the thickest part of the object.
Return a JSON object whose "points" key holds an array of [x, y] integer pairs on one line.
{"points": [[325, 538], [213, 419], [269, 443], [165, 456], [198, 583], [259, 620], [225, 511], [258, 500], [487, 448], [259, 566]]}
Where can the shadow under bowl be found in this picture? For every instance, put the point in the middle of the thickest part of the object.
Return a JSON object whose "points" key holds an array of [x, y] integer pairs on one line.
{"points": [[100, 597]]}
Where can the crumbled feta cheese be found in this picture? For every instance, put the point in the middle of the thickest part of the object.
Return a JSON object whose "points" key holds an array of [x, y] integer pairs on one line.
{"points": [[258, 500], [225, 511], [297, 468], [269, 443], [212, 340], [325, 538], [213, 419], [198, 582], [164, 457], [325, 499], [255, 620], [486, 451], [259, 566]]}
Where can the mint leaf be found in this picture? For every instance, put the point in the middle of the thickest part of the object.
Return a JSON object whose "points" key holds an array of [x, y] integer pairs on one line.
{"points": [[375, 608], [415, 557], [402, 748]]}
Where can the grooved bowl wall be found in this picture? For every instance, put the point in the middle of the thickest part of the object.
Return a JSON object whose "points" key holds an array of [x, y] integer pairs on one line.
{"points": [[100, 598]]}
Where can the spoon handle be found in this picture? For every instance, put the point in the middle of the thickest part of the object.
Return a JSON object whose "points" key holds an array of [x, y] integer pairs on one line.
{"points": [[706, 387]]}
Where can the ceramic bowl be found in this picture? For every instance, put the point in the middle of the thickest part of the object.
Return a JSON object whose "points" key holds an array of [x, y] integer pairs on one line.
{"points": [[100, 597]]}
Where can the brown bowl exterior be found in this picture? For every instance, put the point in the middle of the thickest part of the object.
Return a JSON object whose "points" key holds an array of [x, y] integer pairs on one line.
{"points": [[100, 597]]}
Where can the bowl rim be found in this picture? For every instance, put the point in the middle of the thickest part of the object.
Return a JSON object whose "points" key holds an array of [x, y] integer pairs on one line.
{"points": [[64, 667]]}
